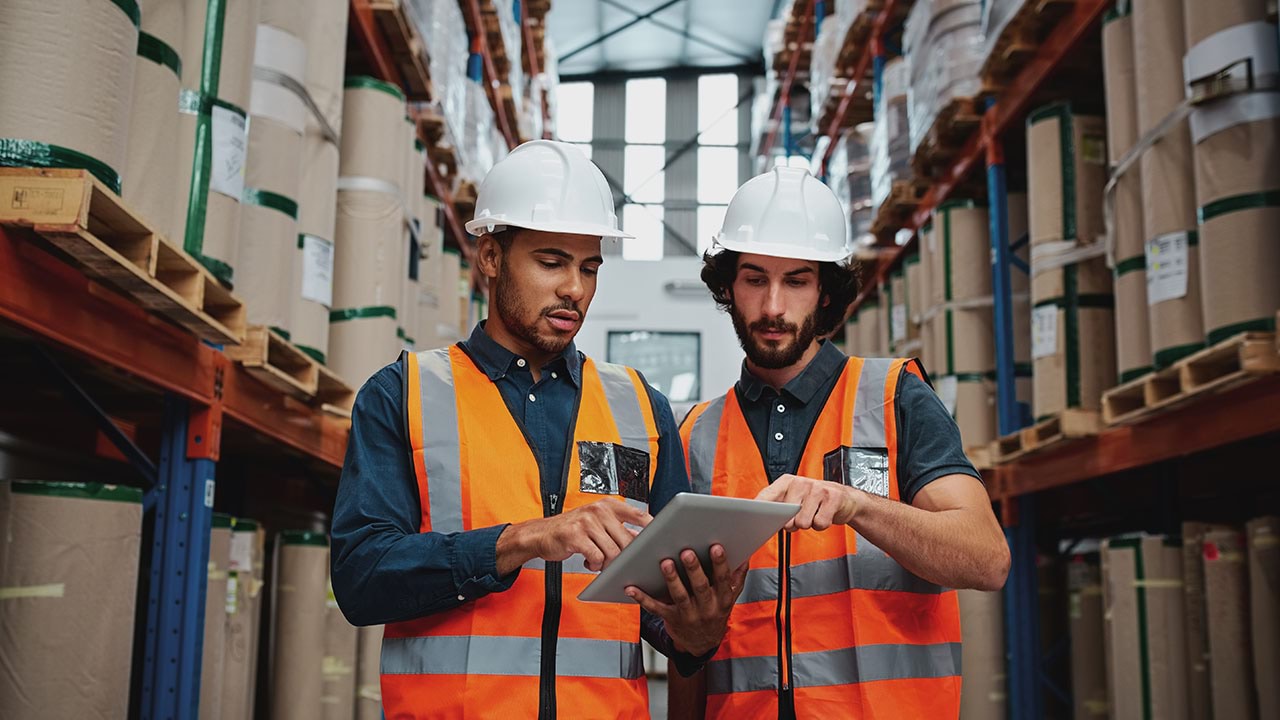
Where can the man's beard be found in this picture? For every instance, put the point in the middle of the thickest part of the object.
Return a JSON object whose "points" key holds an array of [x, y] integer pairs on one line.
{"points": [[510, 307], [774, 358]]}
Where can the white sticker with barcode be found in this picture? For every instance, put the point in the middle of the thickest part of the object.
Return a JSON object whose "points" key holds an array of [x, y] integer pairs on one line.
{"points": [[208, 492], [230, 143], [317, 270], [1044, 331], [242, 551], [1167, 267], [899, 322], [947, 388]]}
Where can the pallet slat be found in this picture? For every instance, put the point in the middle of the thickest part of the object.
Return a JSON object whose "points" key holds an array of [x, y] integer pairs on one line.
{"points": [[277, 363], [1067, 425], [74, 212]]}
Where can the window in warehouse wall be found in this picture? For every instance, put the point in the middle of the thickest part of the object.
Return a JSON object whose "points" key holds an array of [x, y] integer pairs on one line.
{"points": [[717, 152], [575, 103], [643, 179]]}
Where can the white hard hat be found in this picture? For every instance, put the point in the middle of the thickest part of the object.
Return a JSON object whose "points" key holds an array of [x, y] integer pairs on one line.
{"points": [[548, 186], [786, 213]]}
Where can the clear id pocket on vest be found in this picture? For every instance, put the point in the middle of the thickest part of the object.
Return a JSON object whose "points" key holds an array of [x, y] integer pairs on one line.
{"points": [[611, 469], [866, 469]]}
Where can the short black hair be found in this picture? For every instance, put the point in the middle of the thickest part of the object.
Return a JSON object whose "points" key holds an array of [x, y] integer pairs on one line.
{"points": [[837, 283]]}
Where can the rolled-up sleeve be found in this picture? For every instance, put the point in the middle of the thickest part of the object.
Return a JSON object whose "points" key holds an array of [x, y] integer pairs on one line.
{"points": [[384, 570]]}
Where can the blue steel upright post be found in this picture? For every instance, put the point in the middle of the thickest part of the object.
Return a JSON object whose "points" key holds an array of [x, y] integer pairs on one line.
{"points": [[183, 502]]}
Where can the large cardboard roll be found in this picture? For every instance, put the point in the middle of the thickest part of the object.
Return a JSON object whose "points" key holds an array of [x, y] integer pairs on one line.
{"points": [[67, 77], [151, 188], [883, 323], [1199, 706], [233, 48], [965, 341], [286, 15], [69, 565], [167, 20], [1066, 171], [1237, 180], [269, 225], [243, 607], [341, 653], [1133, 329], [1085, 624], [326, 39], [1073, 351], [368, 679], [360, 347], [297, 678], [369, 267], [373, 131], [1264, 607], [1226, 585], [975, 407], [916, 292], [314, 257], [1142, 596], [963, 268], [982, 659], [868, 344], [1020, 284], [214, 646], [1206, 18], [1118, 75]]}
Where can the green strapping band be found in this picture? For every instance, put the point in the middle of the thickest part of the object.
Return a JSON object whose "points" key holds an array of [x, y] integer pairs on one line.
{"points": [[961, 203], [201, 105], [246, 525], [81, 491], [221, 270], [1122, 9], [303, 537], [223, 520], [1066, 144], [973, 377], [1134, 374], [1162, 359], [1072, 289], [1236, 203], [159, 52], [1217, 335], [268, 199], [28, 153], [912, 260], [215, 20], [373, 311], [372, 83], [418, 146], [313, 353], [130, 8], [1133, 264], [888, 299], [1140, 588], [946, 277], [282, 333], [1085, 301], [400, 334]]}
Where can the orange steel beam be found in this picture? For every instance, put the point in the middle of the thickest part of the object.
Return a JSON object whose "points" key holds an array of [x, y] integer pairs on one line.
{"points": [[371, 40], [534, 71], [491, 81], [874, 42], [784, 92]]}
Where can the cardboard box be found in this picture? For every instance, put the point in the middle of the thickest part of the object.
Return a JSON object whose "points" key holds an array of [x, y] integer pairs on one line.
{"points": [[1066, 171], [982, 658]]}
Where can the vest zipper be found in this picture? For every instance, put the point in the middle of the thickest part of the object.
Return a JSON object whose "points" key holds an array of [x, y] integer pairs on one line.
{"points": [[786, 698], [553, 586]]}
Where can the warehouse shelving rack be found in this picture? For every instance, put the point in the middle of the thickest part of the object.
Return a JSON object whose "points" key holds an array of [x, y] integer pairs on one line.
{"points": [[1232, 417]]}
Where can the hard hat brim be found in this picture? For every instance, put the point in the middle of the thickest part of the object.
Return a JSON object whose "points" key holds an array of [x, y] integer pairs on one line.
{"points": [[783, 250], [480, 225]]}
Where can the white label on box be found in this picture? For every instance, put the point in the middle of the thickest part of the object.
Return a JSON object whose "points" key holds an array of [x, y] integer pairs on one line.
{"points": [[230, 141], [242, 551], [1044, 331], [899, 322], [317, 270], [1166, 267], [947, 388]]}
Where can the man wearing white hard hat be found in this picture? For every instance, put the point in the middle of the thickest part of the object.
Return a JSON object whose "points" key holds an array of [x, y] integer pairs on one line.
{"points": [[485, 482], [847, 613]]}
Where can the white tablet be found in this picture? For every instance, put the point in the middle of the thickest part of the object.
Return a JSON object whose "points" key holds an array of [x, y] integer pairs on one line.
{"points": [[695, 522]]}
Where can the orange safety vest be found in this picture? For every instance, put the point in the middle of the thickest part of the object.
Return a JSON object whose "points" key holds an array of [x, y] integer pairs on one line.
{"points": [[535, 649], [827, 617]]}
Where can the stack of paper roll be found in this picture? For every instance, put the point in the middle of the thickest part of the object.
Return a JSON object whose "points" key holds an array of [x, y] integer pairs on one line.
{"points": [[415, 169], [70, 573], [325, 35], [465, 316], [1073, 327], [299, 602], [368, 678], [369, 268], [1168, 190], [341, 652], [1195, 621], [151, 187], [269, 215], [1231, 64], [928, 247], [1020, 293], [1264, 609], [982, 652], [1088, 643], [1226, 596], [851, 334], [214, 645], [1133, 333], [243, 608], [913, 277], [66, 79], [903, 334]]}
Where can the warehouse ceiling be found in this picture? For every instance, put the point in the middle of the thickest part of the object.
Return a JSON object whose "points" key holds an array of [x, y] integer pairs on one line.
{"points": [[603, 36]]}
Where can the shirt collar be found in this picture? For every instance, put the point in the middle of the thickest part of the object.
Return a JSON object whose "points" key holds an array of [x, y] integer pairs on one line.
{"points": [[803, 387], [496, 361]]}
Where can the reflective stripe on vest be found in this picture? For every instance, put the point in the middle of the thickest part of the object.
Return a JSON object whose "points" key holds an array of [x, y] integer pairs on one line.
{"points": [[440, 441], [890, 624], [481, 655]]}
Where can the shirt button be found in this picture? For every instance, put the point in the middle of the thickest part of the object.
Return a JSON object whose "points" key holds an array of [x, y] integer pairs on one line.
{"points": [[462, 598], [532, 398], [782, 408], [554, 376], [520, 362], [777, 436]]}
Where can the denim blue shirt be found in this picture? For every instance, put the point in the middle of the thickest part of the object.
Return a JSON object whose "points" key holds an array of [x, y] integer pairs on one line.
{"points": [[383, 569]]}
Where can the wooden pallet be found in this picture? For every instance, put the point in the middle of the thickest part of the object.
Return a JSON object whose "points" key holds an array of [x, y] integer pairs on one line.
{"points": [[334, 395], [980, 456], [431, 124], [1021, 39], [407, 49], [903, 200], [1230, 363], [76, 213], [1068, 425], [277, 363], [950, 130]]}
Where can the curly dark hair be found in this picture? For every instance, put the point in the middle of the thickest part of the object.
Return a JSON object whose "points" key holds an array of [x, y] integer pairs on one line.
{"points": [[837, 283]]}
